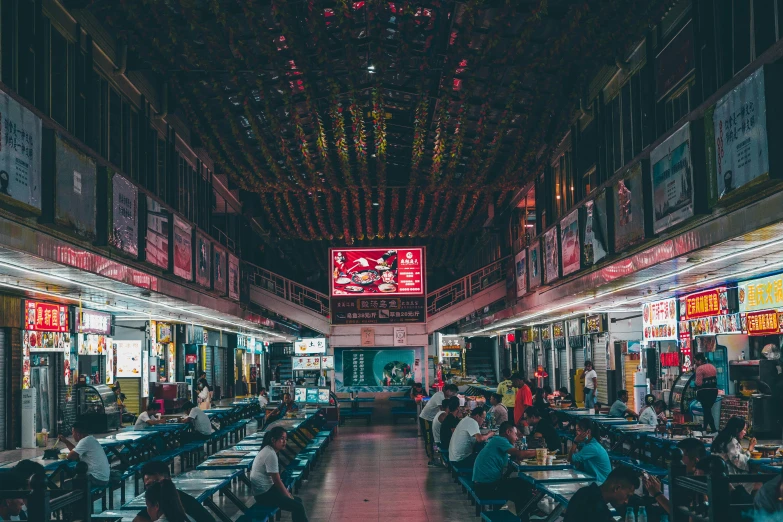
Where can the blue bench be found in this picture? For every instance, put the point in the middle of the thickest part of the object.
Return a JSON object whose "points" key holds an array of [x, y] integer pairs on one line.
{"points": [[258, 513], [457, 472], [500, 515], [638, 465], [360, 413], [479, 502], [403, 413]]}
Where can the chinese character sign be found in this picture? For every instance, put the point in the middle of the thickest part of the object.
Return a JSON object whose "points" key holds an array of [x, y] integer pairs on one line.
{"points": [[740, 125], [310, 345], [704, 304], [45, 317], [659, 320], [765, 322], [20, 153], [761, 294], [672, 180], [89, 321], [376, 270]]}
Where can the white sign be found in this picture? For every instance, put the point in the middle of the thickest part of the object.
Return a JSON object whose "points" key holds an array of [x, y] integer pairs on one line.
{"points": [[29, 417], [145, 374], [740, 122], [659, 320], [400, 336], [109, 363], [20, 153], [310, 345], [128, 358], [368, 336], [327, 362], [306, 363], [672, 180]]}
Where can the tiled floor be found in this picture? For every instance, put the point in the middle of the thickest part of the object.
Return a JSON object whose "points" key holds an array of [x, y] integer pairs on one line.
{"points": [[380, 473]]}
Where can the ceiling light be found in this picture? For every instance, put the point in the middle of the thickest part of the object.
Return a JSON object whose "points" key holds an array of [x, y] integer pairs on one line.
{"points": [[375, 203], [371, 68]]}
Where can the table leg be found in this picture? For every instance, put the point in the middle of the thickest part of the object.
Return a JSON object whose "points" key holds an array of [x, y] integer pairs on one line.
{"points": [[244, 478], [233, 498], [216, 510], [555, 513]]}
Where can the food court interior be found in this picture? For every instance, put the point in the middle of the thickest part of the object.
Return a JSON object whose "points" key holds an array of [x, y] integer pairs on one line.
{"points": [[442, 260]]}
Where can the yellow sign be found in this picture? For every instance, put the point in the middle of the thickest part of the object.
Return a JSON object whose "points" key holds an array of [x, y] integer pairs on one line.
{"points": [[761, 294]]}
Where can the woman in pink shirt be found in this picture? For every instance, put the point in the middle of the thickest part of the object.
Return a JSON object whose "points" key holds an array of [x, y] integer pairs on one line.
{"points": [[707, 389]]}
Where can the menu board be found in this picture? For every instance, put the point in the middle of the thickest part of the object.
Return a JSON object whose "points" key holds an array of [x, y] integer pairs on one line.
{"points": [[92, 344], [310, 345], [124, 233], [306, 363], [569, 243], [109, 359], [20, 153], [46, 341], [551, 255], [520, 269], [327, 362], [128, 358], [761, 294], [183, 249], [672, 180], [660, 320], [45, 317], [377, 271], [378, 367], [716, 324], [704, 304]]}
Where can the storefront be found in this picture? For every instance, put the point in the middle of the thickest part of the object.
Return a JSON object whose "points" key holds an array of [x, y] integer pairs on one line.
{"points": [[660, 337], [575, 329], [596, 351], [451, 354], [47, 360], [132, 373], [560, 356], [529, 351], [93, 332], [244, 361], [163, 366]]}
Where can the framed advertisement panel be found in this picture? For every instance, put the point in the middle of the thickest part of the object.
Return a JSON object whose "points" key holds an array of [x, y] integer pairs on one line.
{"points": [[203, 260], [182, 249], [233, 277], [570, 244], [534, 264], [124, 232], [628, 209], [219, 269], [20, 154], [520, 271], [672, 180], [551, 255]]}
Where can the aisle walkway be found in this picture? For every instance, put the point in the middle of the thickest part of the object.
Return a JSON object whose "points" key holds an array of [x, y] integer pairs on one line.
{"points": [[378, 474]]}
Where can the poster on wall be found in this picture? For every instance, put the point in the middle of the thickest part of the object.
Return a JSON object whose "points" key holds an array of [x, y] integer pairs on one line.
{"points": [[551, 255], [594, 248], [569, 243], [124, 233], [128, 358], [672, 180], [219, 269], [628, 209], [183, 249], [75, 189], [740, 126], [534, 264], [520, 268], [20, 154], [157, 249], [109, 360], [660, 320], [33, 342], [203, 259], [233, 276], [378, 367], [377, 270]]}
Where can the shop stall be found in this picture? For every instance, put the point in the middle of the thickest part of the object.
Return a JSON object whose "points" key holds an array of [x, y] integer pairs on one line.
{"points": [[95, 363], [96, 405], [451, 354], [596, 351], [560, 376], [163, 354], [660, 337], [132, 373]]}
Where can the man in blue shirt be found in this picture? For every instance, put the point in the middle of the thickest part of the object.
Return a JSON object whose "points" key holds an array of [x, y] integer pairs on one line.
{"points": [[489, 469], [588, 454]]}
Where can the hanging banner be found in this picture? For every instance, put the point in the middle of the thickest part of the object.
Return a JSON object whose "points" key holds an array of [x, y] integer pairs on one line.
{"points": [[124, 233], [551, 255], [20, 153], [183, 249], [570, 244], [219, 269], [520, 264], [534, 264], [672, 180], [233, 276], [203, 259], [740, 125], [628, 209], [75, 189], [595, 232], [157, 248], [660, 320]]}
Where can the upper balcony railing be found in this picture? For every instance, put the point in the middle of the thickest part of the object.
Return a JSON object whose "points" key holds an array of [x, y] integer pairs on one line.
{"points": [[289, 290], [461, 289]]}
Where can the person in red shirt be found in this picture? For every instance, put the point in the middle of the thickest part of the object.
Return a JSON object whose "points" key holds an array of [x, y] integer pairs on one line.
{"points": [[707, 388], [524, 398]]}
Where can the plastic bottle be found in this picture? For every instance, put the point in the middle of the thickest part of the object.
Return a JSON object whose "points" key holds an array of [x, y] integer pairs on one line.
{"points": [[629, 516], [524, 443], [641, 516], [742, 356]]}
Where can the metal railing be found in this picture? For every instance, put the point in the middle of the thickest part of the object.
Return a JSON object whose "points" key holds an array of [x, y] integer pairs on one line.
{"points": [[286, 289], [461, 289]]}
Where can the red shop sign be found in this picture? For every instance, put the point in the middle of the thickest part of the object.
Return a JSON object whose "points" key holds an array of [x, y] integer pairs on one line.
{"points": [[45, 317], [765, 322], [705, 304], [191, 359]]}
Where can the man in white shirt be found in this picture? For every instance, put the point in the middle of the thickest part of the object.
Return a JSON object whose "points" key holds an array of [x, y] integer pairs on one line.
{"points": [[467, 433], [263, 398], [150, 417], [427, 415], [591, 385], [88, 450], [650, 415], [198, 420]]}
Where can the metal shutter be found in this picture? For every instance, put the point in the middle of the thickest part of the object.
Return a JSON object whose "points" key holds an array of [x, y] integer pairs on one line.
{"points": [[562, 368], [599, 363], [548, 365], [529, 363], [209, 361], [579, 358], [3, 366]]}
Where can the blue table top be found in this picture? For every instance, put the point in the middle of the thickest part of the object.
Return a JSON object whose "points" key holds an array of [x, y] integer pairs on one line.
{"points": [[562, 492], [771, 468], [225, 463], [555, 476], [210, 474], [534, 467], [200, 490], [49, 465]]}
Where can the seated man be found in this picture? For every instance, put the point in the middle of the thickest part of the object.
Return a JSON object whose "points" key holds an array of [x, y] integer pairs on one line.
{"points": [[544, 432], [150, 417], [590, 502], [156, 471], [619, 408], [587, 453], [490, 476], [693, 452], [565, 395], [88, 450], [651, 415], [27, 471], [11, 507], [448, 423], [202, 427], [263, 398], [467, 433], [417, 391], [769, 499]]}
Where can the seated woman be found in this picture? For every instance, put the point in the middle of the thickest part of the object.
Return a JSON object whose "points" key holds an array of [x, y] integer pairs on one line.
{"points": [[268, 488], [727, 446], [163, 503]]}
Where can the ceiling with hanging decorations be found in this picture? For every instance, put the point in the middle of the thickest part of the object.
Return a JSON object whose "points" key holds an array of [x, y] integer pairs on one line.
{"points": [[376, 122]]}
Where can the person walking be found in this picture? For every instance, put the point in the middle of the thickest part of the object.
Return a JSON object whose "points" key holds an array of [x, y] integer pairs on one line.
{"points": [[707, 389]]}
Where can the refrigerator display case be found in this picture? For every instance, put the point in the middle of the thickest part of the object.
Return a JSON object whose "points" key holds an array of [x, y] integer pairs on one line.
{"points": [[97, 406], [682, 394]]}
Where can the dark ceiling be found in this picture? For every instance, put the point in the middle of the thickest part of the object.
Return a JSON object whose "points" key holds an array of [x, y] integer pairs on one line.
{"points": [[375, 122]]}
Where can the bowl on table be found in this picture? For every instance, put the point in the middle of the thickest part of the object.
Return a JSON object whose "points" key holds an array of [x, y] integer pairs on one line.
{"points": [[755, 454]]}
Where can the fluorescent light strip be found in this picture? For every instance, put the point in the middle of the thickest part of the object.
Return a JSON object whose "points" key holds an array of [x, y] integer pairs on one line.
{"points": [[167, 319], [126, 296], [64, 297], [640, 283]]}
